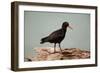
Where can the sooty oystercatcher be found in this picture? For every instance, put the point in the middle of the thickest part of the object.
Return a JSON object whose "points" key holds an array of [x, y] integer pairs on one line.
{"points": [[56, 36]]}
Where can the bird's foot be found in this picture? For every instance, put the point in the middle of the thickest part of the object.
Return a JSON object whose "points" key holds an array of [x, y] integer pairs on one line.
{"points": [[54, 52], [60, 52]]}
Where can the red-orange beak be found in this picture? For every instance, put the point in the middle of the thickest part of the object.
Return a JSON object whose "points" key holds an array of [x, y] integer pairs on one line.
{"points": [[70, 27]]}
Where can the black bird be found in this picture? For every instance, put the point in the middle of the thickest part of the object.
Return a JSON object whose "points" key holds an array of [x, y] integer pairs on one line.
{"points": [[56, 36]]}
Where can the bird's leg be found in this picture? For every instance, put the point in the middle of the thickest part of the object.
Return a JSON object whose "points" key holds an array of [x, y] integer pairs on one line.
{"points": [[54, 47], [60, 47]]}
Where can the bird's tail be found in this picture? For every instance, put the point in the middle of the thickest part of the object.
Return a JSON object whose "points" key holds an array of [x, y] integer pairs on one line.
{"points": [[43, 40]]}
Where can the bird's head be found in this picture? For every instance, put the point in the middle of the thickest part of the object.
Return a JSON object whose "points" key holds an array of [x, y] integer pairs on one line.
{"points": [[65, 25]]}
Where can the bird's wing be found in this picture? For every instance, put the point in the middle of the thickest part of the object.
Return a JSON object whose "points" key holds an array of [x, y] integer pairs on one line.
{"points": [[56, 34]]}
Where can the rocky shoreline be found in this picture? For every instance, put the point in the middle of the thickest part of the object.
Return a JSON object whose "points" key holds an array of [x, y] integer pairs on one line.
{"points": [[46, 54]]}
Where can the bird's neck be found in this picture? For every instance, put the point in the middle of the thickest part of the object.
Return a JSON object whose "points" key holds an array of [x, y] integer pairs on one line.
{"points": [[64, 30]]}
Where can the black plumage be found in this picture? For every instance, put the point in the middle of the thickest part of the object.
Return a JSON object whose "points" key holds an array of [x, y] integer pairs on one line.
{"points": [[56, 36]]}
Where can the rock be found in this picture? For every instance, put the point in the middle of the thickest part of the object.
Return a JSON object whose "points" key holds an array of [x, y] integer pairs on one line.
{"points": [[45, 54], [55, 56], [40, 57]]}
